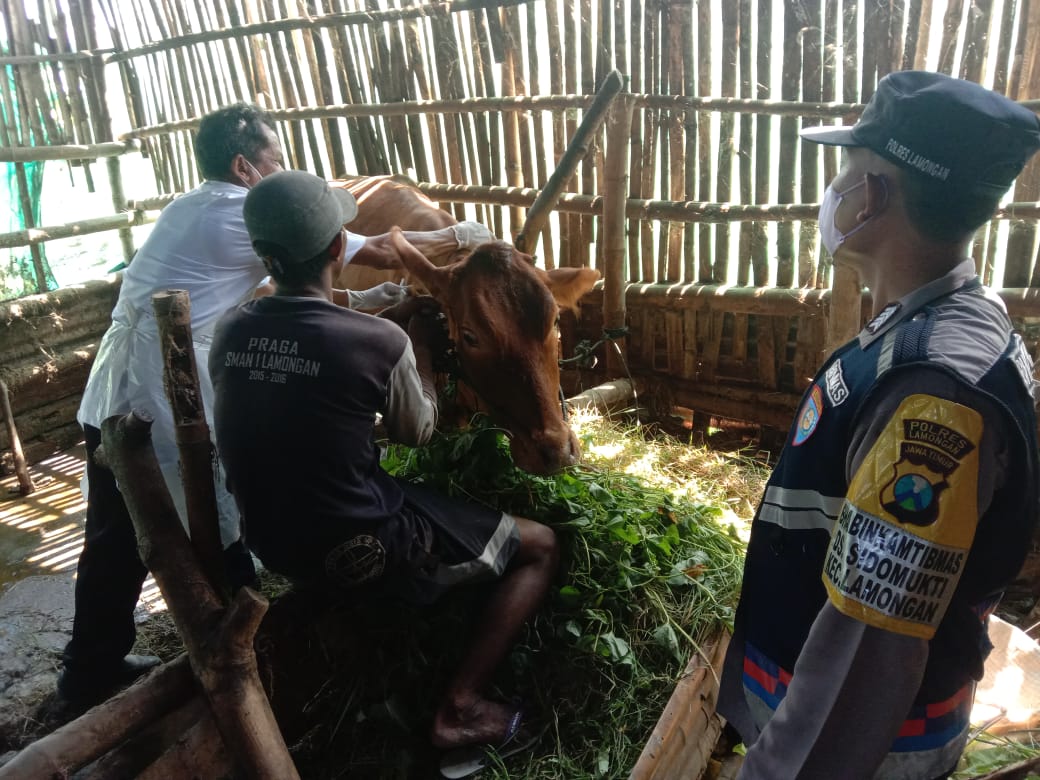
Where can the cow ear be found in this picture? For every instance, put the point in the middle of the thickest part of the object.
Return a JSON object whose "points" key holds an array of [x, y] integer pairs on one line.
{"points": [[415, 262], [569, 284]]}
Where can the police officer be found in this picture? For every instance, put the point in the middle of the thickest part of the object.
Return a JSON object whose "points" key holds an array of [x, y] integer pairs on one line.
{"points": [[906, 495]]}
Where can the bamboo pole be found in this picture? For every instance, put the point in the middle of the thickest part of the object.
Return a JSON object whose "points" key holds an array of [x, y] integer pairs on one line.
{"points": [[745, 192], [511, 130], [615, 186], [25, 483], [651, 117], [35, 236], [697, 145], [635, 32], [1005, 47], [951, 30], [487, 123], [349, 19], [723, 182], [1020, 269], [197, 455], [763, 129], [785, 258], [924, 31], [586, 173], [527, 239], [809, 154], [25, 154]]}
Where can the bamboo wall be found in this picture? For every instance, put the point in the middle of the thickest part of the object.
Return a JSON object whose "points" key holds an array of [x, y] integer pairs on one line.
{"points": [[700, 208]]}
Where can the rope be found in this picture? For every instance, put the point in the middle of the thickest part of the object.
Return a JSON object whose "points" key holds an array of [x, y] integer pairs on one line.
{"points": [[583, 351]]}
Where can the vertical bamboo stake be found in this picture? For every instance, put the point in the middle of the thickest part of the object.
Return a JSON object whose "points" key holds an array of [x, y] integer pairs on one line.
{"points": [[951, 31], [746, 142], [1019, 269], [638, 23], [488, 125], [788, 146], [651, 117], [924, 31], [1004, 47], [619, 124], [976, 40], [763, 131], [511, 121], [412, 36], [724, 185], [180, 379], [812, 78], [25, 483], [586, 177], [704, 149], [912, 40], [556, 87]]}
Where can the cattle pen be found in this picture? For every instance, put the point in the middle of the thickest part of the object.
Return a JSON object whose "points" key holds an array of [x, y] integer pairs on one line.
{"points": [[662, 136]]}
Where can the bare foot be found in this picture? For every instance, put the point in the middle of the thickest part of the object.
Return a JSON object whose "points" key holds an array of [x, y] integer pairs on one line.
{"points": [[482, 723]]}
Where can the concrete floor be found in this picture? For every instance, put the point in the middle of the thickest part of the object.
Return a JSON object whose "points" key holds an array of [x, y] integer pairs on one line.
{"points": [[41, 536]]}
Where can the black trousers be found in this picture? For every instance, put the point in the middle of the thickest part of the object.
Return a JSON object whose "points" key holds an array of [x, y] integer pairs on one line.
{"points": [[109, 575]]}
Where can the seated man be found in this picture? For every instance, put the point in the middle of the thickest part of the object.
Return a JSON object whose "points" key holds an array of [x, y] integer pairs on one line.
{"points": [[298, 383]]}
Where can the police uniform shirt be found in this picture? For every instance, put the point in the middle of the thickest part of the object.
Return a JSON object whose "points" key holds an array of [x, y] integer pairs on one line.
{"points": [[901, 507]]}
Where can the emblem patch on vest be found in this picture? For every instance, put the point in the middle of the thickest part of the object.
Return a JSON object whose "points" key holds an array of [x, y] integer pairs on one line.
{"points": [[837, 390], [884, 316], [809, 416]]}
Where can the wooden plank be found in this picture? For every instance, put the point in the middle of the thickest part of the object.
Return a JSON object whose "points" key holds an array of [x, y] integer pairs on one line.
{"points": [[681, 742]]}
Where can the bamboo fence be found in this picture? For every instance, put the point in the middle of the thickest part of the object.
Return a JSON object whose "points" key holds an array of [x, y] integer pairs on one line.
{"points": [[478, 99]]}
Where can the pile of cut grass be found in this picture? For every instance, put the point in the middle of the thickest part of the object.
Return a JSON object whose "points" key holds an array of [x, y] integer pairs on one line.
{"points": [[651, 570]]}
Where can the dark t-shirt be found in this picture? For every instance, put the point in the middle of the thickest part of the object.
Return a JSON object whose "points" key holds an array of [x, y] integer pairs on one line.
{"points": [[298, 383]]}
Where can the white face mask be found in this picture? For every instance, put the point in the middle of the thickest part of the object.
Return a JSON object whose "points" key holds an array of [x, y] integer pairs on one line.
{"points": [[830, 235], [245, 184]]}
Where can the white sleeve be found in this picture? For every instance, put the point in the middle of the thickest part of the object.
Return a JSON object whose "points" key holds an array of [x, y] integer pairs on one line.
{"points": [[354, 244], [411, 413]]}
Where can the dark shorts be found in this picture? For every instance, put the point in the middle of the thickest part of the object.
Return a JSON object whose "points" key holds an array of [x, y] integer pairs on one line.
{"points": [[431, 545]]}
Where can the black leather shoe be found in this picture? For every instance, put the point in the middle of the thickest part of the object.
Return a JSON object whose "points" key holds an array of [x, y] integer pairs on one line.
{"points": [[90, 686]]}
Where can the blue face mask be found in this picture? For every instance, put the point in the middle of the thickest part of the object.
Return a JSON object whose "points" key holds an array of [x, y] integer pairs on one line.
{"points": [[830, 235]]}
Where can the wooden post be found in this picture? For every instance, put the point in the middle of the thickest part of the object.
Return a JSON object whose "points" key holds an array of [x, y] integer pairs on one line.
{"points": [[219, 641], [105, 726], [615, 197], [180, 378], [25, 483], [843, 320], [527, 239]]}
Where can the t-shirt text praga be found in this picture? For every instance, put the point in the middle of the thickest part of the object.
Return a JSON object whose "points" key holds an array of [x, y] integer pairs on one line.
{"points": [[889, 571], [267, 354]]}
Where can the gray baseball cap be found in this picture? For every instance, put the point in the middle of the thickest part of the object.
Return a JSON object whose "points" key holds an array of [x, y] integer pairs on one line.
{"points": [[298, 211], [954, 133]]}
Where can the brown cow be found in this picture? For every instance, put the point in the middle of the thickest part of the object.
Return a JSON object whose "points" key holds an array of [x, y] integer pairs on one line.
{"points": [[503, 314], [385, 202]]}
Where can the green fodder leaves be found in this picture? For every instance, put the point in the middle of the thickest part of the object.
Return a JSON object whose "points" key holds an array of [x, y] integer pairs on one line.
{"points": [[647, 576]]}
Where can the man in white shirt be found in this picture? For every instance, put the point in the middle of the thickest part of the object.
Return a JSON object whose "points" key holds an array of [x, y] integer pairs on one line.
{"points": [[199, 244]]}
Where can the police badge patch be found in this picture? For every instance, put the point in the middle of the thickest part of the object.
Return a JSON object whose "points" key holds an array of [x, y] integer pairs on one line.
{"points": [[928, 454], [809, 416]]}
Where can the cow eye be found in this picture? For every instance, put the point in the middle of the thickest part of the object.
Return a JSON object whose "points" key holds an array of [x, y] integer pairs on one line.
{"points": [[469, 338]]}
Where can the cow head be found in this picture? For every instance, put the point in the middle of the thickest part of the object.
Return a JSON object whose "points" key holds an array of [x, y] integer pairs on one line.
{"points": [[503, 314]]}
